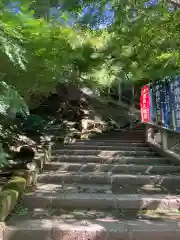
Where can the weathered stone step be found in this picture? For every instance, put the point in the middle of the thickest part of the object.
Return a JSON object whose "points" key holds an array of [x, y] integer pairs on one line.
{"points": [[144, 189], [123, 137], [124, 133], [111, 159], [73, 188], [104, 148], [138, 129], [105, 188], [112, 141], [108, 178], [114, 168], [72, 225], [107, 144], [101, 201], [110, 214], [119, 140], [99, 152], [160, 215]]}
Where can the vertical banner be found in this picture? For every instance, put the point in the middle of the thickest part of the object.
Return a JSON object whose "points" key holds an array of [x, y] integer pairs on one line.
{"points": [[172, 102], [158, 103], [166, 107], [177, 102], [162, 103], [153, 102], [150, 103], [145, 104]]}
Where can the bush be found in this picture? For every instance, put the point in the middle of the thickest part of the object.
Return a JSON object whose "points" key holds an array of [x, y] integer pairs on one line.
{"points": [[33, 124]]}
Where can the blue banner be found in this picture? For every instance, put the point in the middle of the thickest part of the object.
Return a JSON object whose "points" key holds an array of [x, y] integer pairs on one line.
{"points": [[158, 103], [165, 102], [172, 102], [162, 101], [167, 106], [177, 102]]}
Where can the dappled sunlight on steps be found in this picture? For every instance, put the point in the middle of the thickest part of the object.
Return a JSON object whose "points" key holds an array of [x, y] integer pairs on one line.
{"points": [[103, 189]]}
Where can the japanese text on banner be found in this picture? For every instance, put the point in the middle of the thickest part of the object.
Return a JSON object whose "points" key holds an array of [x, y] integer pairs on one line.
{"points": [[144, 103]]}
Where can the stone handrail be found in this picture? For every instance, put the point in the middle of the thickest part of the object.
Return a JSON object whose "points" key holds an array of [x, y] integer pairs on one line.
{"points": [[164, 140]]}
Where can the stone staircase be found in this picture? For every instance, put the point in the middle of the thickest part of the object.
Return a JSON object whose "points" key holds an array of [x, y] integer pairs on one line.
{"points": [[98, 189]]}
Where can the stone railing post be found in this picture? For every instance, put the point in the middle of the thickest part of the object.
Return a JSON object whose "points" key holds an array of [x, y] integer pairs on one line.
{"points": [[164, 139]]}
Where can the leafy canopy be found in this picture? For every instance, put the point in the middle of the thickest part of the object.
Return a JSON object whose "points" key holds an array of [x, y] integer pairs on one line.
{"points": [[96, 43]]}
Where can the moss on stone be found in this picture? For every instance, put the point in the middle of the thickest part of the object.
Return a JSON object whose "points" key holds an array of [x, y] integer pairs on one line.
{"points": [[16, 183], [8, 200]]}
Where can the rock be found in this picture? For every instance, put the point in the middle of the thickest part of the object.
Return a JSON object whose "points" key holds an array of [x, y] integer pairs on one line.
{"points": [[8, 200], [16, 183]]}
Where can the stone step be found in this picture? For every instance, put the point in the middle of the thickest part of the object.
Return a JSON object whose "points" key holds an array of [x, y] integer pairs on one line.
{"points": [[106, 144], [119, 140], [112, 141], [101, 201], [114, 168], [123, 137], [144, 189], [134, 130], [111, 214], [104, 148], [160, 215], [96, 152], [105, 188], [72, 188], [111, 159], [87, 225], [125, 133], [115, 180]]}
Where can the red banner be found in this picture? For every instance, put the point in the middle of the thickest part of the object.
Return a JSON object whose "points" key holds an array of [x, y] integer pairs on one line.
{"points": [[145, 104]]}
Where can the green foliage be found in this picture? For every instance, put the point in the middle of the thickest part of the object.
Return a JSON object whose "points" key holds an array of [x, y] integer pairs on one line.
{"points": [[11, 101], [36, 54], [33, 124], [3, 157], [148, 45]]}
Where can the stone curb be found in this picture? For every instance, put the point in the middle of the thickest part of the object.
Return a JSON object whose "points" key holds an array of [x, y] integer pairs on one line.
{"points": [[14, 188], [9, 196]]}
